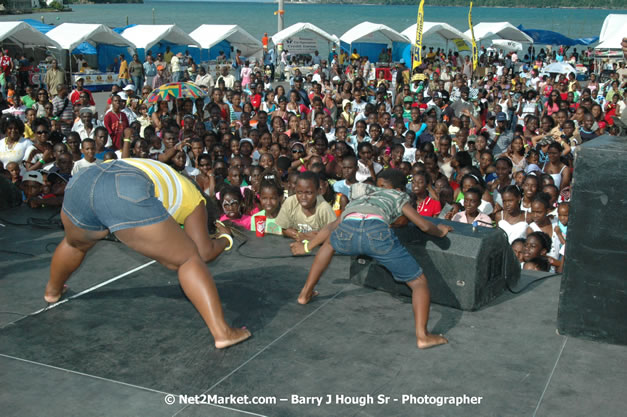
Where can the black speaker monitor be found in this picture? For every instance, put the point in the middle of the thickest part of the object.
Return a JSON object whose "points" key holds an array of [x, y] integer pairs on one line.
{"points": [[466, 270]]}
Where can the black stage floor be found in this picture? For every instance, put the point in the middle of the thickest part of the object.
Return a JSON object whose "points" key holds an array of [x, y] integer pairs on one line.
{"points": [[118, 349]]}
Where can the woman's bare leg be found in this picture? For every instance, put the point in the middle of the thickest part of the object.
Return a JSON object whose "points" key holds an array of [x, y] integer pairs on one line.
{"points": [[68, 256], [169, 245]]}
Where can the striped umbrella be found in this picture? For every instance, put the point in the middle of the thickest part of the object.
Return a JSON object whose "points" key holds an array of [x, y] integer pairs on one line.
{"points": [[175, 90]]}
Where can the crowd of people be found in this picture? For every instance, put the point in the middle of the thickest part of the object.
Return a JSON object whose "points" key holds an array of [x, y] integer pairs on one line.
{"points": [[493, 149]]}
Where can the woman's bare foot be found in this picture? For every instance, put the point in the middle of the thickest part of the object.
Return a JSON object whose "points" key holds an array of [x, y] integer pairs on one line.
{"points": [[52, 296], [235, 336], [306, 298], [431, 340]]}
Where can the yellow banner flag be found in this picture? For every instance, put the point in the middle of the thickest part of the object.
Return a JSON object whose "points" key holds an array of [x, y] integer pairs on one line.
{"points": [[474, 44], [461, 44], [417, 55]]}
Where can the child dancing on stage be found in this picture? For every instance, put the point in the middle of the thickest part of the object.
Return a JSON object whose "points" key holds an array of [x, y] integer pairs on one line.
{"points": [[364, 228]]}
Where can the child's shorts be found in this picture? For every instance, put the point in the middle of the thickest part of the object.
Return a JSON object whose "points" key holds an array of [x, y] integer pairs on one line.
{"points": [[114, 196], [374, 238]]}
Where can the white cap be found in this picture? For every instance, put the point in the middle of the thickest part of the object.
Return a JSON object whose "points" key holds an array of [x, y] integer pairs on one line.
{"points": [[34, 176], [130, 87]]}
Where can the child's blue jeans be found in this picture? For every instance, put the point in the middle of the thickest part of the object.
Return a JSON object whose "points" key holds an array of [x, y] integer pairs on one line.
{"points": [[374, 238]]}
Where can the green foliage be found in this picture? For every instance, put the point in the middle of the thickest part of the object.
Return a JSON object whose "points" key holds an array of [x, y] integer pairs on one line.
{"points": [[56, 5]]}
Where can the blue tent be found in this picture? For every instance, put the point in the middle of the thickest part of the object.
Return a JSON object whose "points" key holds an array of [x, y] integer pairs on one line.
{"points": [[84, 48], [106, 53], [548, 37], [373, 50]]}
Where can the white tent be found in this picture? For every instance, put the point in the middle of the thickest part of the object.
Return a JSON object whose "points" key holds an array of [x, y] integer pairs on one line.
{"points": [[304, 28], [502, 30], [506, 45], [367, 32], [25, 35], [443, 30], [70, 35], [208, 36], [368, 39], [559, 68], [146, 36], [613, 30]]}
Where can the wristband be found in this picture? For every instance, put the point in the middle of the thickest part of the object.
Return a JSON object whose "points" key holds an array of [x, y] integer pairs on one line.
{"points": [[302, 161], [41, 161], [305, 246], [126, 140], [229, 238]]}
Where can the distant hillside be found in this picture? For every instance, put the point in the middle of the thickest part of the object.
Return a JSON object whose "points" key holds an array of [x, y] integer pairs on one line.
{"points": [[102, 1], [607, 4]]}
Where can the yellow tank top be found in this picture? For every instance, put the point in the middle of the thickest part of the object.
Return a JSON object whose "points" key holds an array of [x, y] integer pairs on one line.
{"points": [[178, 194]]}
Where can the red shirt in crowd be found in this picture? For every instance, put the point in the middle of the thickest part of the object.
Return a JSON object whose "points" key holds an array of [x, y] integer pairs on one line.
{"points": [[5, 64], [115, 124], [429, 207], [75, 96]]}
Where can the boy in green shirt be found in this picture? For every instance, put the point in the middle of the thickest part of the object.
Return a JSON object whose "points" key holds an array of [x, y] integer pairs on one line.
{"points": [[305, 213]]}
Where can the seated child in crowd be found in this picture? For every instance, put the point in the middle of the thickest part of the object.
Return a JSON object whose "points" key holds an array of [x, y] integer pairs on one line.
{"points": [[471, 213], [518, 246], [34, 194], [306, 212], [14, 169], [270, 197], [537, 246], [234, 207], [88, 147], [562, 225], [542, 222]]}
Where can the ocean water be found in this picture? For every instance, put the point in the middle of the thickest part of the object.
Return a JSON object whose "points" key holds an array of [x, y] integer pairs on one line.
{"points": [[258, 18]]}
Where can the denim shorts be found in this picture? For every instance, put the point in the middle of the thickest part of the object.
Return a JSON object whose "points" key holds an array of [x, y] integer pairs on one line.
{"points": [[374, 238], [112, 196]]}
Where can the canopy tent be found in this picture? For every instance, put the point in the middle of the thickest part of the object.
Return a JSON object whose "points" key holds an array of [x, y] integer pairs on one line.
{"points": [[612, 32], [507, 46], [502, 30], [145, 37], [71, 35], [25, 35], [369, 39], [216, 38], [293, 42], [432, 30], [36, 24], [559, 68], [306, 28], [548, 37], [439, 29]]}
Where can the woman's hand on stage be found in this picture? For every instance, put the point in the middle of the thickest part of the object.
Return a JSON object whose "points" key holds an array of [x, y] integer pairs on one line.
{"points": [[222, 229]]}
